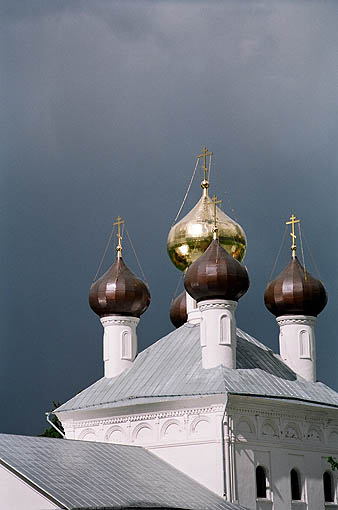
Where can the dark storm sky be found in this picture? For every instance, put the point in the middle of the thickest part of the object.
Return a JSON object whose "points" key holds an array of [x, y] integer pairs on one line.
{"points": [[104, 106]]}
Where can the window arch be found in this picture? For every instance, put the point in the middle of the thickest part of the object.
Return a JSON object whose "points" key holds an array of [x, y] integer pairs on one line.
{"points": [[225, 330], [261, 489], [328, 487], [261, 485], [304, 344], [296, 487]]}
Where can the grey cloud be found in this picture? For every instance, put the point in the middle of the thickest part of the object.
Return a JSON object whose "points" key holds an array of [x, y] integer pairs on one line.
{"points": [[105, 105]]}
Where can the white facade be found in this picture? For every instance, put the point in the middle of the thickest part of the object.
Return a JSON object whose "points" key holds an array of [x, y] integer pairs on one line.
{"points": [[297, 344], [221, 442], [119, 343], [16, 494], [218, 333]]}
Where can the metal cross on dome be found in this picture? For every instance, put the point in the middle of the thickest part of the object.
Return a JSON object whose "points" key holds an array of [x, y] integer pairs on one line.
{"points": [[292, 222], [119, 222], [215, 202], [204, 155]]}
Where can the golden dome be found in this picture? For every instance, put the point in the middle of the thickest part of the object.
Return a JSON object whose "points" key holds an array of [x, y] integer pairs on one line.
{"points": [[191, 236]]}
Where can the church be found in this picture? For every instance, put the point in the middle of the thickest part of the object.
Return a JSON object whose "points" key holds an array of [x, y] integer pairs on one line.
{"points": [[207, 417]]}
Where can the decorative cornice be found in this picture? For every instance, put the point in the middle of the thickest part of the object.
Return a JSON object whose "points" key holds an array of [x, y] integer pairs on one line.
{"points": [[264, 413], [113, 320], [148, 416], [220, 305], [307, 320]]}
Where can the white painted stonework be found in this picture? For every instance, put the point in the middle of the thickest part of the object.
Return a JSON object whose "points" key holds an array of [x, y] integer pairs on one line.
{"points": [[281, 436], [183, 433], [218, 333], [297, 344], [15, 494], [220, 443], [193, 313], [119, 343]]}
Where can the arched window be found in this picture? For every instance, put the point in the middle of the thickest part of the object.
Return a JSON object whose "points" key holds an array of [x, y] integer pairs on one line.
{"points": [[260, 482], [126, 346], [304, 345], [225, 325], [328, 487], [296, 489]]}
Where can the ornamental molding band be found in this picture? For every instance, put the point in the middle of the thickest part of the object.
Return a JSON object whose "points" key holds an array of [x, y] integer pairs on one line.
{"points": [[112, 432], [245, 428], [171, 427], [112, 320], [270, 429], [314, 434], [285, 320], [229, 305], [292, 431], [196, 412]]}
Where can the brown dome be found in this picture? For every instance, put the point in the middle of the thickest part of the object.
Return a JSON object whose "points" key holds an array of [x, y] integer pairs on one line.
{"points": [[295, 292], [216, 275], [178, 310], [119, 292]]}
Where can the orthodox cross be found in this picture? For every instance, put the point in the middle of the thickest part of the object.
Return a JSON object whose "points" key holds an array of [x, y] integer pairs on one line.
{"points": [[204, 155], [292, 222], [215, 202], [119, 222]]}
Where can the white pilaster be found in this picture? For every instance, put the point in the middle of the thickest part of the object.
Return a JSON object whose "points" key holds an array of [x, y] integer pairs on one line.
{"points": [[194, 315], [119, 343], [297, 344], [218, 333]]}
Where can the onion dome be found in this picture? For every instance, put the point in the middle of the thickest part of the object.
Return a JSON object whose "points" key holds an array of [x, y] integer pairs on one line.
{"points": [[119, 292], [190, 237], [216, 275], [295, 292], [178, 310]]}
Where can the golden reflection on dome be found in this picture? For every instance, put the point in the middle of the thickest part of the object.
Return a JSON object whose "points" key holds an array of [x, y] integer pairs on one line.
{"points": [[190, 237]]}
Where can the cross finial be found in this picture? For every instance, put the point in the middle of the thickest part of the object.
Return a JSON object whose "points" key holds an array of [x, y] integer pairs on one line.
{"points": [[215, 202], [292, 222], [119, 222], [204, 155]]}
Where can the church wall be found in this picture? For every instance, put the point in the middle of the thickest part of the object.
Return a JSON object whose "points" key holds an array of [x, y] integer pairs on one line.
{"points": [[189, 438], [281, 437], [202, 462], [15, 494], [277, 434]]}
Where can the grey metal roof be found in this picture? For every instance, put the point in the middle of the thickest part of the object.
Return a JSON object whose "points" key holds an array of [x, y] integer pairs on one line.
{"points": [[171, 368], [80, 474]]}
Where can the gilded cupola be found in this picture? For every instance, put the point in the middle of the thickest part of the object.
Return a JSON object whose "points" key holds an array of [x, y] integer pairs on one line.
{"points": [[190, 237], [216, 274]]}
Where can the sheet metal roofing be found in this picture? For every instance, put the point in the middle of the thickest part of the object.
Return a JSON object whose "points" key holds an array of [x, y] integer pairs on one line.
{"points": [[79, 475], [172, 368]]}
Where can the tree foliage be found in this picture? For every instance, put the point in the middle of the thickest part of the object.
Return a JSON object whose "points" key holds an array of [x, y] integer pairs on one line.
{"points": [[333, 463]]}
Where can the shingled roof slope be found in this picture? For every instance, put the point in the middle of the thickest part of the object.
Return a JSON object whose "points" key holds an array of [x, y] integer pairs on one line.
{"points": [[83, 475]]}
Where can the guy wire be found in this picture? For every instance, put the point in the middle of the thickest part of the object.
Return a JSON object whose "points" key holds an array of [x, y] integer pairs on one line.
{"points": [[104, 254], [178, 284], [301, 247], [312, 257], [137, 259], [209, 170], [280, 248], [187, 192]]}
